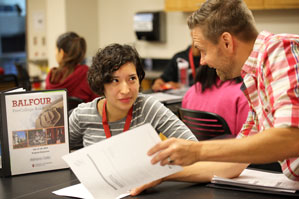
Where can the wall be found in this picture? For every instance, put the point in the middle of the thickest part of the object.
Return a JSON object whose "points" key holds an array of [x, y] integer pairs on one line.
{"points": [[278, 21], [82, 18], [102, 22], [36, 30], [116, 25], [72, 15], [59, 17]]}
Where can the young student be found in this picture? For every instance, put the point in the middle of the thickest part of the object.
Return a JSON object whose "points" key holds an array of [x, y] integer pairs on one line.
{"points": [[224, 98], [70, 74], [170, 77], [269, 65], [115, 75]]}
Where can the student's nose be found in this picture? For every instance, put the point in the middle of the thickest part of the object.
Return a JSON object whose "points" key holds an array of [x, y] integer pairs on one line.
{"points": [[124, 87]]}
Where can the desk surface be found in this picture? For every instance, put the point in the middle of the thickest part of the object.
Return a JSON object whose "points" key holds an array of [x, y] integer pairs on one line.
{"points": [[41, 185]]}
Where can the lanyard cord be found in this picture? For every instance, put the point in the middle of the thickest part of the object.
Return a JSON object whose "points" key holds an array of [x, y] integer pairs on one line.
{"points": [[191, 61], [105, 120]]}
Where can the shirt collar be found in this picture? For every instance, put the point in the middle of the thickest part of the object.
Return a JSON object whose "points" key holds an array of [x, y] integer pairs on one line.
{"points": [[250, 66]]}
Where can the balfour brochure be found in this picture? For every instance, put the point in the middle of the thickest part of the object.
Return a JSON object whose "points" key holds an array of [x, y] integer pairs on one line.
{"points": [[34, 131]]}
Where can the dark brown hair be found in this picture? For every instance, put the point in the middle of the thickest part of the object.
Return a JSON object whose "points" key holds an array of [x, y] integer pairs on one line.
{"points": [[207, 77], [107, 61], [215, 17], [74, 48]]}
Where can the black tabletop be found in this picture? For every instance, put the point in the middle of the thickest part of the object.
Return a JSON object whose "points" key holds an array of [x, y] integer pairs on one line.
{"points": [[41, 185]]}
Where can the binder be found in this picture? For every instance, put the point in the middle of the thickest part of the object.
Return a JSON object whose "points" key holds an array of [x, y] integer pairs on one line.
{"points": [[259, 181], [34, 131]]}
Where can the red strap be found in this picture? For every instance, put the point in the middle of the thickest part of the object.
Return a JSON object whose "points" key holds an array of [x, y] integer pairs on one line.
{"points": [[105, 120], [191, 61], [290, 169]]}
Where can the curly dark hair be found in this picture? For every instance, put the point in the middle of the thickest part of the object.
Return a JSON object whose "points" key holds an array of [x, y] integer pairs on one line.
{"points": [[107, 61]]}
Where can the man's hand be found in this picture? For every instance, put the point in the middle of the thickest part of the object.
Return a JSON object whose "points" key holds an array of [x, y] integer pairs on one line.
{"points": [[138, 190], [174, 151]]}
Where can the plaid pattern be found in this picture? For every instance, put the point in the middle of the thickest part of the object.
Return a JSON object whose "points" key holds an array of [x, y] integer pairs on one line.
{"points": [[271, 80]]}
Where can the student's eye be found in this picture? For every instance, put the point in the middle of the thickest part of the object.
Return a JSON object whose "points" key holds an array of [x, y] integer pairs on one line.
{"points": [[114, 80], [133, 78]]}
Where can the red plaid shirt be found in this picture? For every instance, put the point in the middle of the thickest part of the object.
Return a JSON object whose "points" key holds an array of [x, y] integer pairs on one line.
{"points": [[271, 85]]}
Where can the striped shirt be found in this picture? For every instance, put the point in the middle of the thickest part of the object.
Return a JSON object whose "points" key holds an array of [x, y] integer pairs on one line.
{"points": [[271, 80], [86, 125]]}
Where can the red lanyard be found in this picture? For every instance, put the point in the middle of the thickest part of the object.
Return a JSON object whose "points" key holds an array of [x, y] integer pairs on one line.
{"points": [[105, 120], [191, 61]]}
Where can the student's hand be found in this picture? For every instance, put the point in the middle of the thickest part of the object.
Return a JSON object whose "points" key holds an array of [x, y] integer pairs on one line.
{"points": [[138, 190], [174, 151], [174, 85], [158, 85]]}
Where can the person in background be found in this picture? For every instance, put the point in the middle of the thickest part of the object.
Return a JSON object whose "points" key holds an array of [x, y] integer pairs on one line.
{"points": [[116, 75], [1, 71], [224, 98], [70, 74], [225, 33], [170, 77]]}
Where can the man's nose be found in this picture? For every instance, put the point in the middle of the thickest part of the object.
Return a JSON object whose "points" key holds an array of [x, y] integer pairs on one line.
{"points": [[202, 60]]}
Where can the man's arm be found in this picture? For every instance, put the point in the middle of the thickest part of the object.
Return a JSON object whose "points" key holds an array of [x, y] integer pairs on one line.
{"points": [[268, 146], [199, 172]]}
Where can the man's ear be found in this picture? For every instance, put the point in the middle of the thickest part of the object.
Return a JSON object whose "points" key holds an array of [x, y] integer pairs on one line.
{"points": [[226, 40]]}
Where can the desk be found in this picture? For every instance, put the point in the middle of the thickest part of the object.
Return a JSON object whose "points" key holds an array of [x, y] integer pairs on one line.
{"points": [[41, 185]]}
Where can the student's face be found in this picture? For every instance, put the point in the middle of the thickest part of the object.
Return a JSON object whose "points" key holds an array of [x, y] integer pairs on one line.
{"points": [[122, 92], [214, 55], [59, 55]]}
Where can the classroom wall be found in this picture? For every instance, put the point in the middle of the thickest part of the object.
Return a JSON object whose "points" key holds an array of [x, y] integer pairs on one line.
{"points": [[103, 22], [116, 25]]}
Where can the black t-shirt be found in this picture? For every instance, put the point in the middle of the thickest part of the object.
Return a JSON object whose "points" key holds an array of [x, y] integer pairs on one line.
{"points": [[171, 72]]}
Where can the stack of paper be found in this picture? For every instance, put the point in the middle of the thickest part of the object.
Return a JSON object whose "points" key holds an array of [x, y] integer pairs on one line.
{"points": [[116, 165], [166, 98], [254, 179]]}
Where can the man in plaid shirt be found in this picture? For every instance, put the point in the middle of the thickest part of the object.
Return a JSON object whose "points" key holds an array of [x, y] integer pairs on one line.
{"points": [[225, 33]]}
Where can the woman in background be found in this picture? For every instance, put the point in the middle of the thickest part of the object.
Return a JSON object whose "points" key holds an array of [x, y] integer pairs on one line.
{"points": [[70, 73], [226, 99]]}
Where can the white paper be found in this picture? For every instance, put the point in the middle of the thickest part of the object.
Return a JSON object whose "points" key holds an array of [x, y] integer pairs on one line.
{"points": [[79, 191], [260, 180], [118, 164], [164, 97]]}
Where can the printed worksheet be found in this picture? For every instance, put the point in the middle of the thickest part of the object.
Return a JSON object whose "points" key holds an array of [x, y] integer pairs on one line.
{"points": [[113, 167]]}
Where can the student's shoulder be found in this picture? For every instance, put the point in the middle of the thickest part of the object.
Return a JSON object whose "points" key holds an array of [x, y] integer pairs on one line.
{"points": [[182, 54], [90, 107], [82, 68], [145, 99]]}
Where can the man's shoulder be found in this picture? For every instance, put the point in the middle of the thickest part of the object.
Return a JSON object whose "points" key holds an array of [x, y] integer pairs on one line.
{"points": [[282, 40]]}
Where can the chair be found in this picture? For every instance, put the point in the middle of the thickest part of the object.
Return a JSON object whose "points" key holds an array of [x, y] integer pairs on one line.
{"points": [[8, 81], [205, 125], [23, 76], [73, 102]]}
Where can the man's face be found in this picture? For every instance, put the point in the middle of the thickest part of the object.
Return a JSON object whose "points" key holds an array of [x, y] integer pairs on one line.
{"points": [[214, 55]]}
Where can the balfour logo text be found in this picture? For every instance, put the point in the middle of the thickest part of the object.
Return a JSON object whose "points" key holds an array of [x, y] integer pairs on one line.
{"points": [[31, 102]]}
